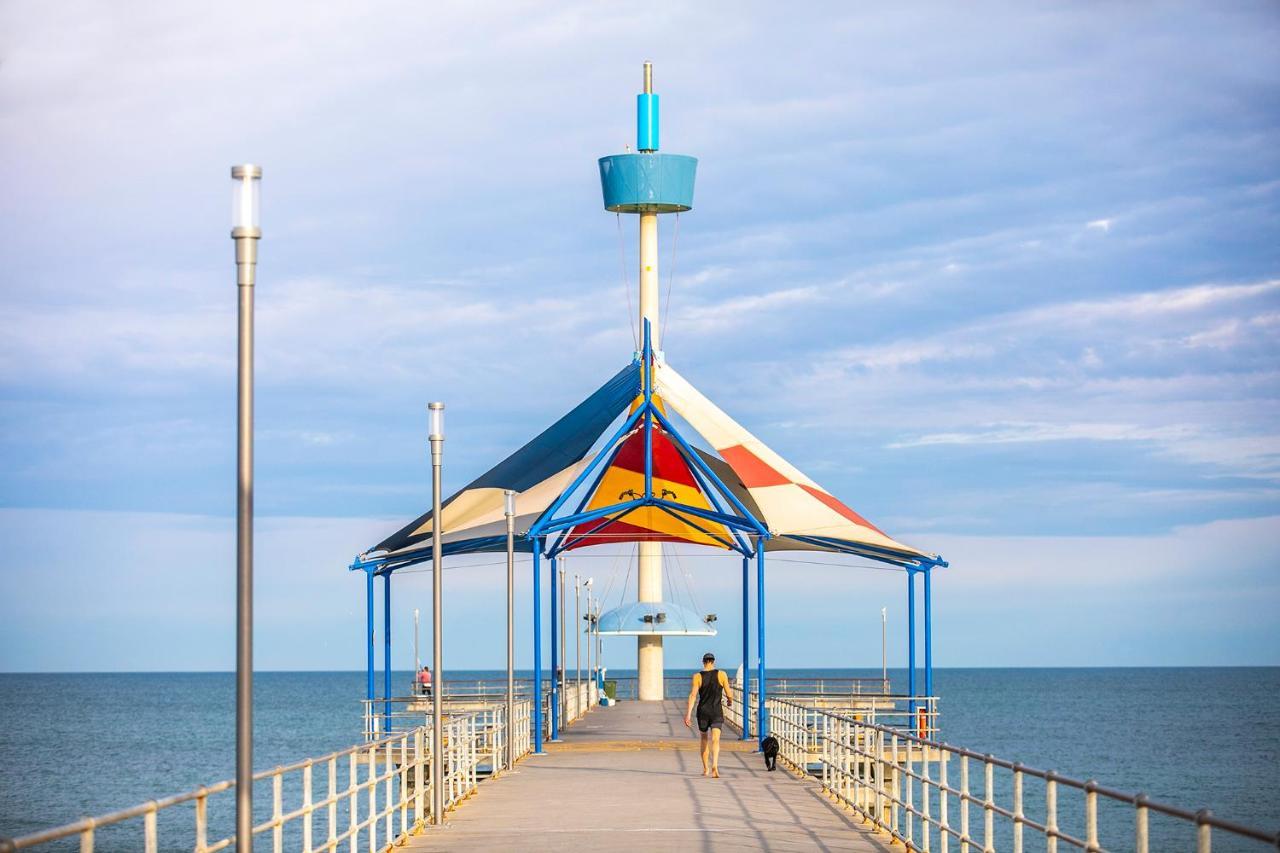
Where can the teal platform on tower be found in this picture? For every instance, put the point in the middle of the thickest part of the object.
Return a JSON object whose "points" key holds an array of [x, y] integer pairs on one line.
{"points": [[648, 182]]}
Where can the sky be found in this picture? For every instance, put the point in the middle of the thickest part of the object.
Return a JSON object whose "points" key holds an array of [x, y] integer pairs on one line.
{"points": [[1004, 277]]}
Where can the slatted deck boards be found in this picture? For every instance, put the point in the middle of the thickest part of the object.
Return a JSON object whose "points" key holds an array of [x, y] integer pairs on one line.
{"points": [[628, 778]]}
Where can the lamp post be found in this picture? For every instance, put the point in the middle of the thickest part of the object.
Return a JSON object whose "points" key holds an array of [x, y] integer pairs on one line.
{"points": [[245, 231], [509, 510], [884, 659], [417, 660], [577, 638], [436, 438], [560, 676]]}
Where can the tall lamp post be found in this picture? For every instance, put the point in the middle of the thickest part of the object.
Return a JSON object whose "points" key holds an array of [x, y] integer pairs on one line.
{"points": [[577, 638], [884, 655], [509, 510], [436, 438], [245, 231]]}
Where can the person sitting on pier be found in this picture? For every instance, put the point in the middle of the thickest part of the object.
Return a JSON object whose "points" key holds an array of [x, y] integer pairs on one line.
{"points": [[709, 687], [424, 681]]}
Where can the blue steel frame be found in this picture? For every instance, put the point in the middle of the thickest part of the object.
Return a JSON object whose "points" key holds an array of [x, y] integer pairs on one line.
{"points": [[745, 698], [741, 521], [555, 655], [386, 653], [537, 647]]}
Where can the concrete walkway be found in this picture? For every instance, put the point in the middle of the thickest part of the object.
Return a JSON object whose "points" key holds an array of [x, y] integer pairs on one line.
{"points": [[628, 778]]}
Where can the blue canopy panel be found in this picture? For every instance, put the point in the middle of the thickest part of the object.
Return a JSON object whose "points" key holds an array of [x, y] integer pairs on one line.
{"points": [[654, 618], [553, 456]]}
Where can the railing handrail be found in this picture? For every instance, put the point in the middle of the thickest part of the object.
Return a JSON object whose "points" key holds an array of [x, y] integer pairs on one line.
{"points": [[469, 736], [1203, 817]]}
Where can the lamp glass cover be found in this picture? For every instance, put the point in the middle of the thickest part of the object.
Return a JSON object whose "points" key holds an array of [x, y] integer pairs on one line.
{"points": [[435, 413], [245, 202]]}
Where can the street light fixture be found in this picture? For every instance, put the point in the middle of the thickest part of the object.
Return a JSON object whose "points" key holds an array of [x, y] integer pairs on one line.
{"points": [[436, 438], [246, 231]]}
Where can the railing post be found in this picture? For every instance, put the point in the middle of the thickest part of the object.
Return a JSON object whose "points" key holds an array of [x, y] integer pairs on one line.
{"points": [[988, 804], [944, 832], [1091, 816], [150, 841], [86, 839], [1204, 831], [926, 819], [388, 805], [404, 787], [1140, 840], [202, 822], [332, 800], [307, 807], [895, 799], [1051, 812], [909, 811], [881, 766], [353, 803], [1017, 808], [277, 811], [964, 804], [371, 782]]}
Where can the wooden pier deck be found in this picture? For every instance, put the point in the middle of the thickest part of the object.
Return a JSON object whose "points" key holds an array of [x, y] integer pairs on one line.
{"points": [[628, 778]]}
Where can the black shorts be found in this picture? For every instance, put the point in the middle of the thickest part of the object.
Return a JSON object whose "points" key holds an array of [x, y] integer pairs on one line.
{"points": [[705, 723]]}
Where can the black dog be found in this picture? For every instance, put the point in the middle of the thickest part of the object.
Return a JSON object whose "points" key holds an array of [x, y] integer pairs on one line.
{"points": [[769, 746]]}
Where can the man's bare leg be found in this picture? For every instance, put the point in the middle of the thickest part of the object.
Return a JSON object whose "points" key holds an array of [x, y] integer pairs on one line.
{"points": [[715, 753], [703, 748]]}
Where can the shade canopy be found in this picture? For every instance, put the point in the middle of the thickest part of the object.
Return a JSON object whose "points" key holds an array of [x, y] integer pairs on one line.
{"points": [[647, 482], [654, 619]]}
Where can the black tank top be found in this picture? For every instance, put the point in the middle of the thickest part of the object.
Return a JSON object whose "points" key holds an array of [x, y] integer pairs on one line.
{"points": [[709, 695]]}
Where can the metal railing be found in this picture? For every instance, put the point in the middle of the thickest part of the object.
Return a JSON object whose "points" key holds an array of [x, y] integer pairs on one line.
{"points": [[373, 811], [409, 712], [915, 714], [902, 784]]}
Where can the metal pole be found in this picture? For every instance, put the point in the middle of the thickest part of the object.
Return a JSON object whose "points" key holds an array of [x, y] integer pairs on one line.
{"points": [[577, 637], [884, 654], [911, 643], [564, 652], [386, 653], [928, 635], [537, 645], [511, 623], [370, 691], [555, 657], [417, 660], [246, 236], [762, 715], [437, 656], [745, 698]]}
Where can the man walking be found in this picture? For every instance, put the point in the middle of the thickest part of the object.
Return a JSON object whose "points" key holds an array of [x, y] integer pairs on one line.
{"points": [[710, 687]]}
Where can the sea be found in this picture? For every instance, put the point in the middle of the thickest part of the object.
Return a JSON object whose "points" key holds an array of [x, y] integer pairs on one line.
{"points": [[73, 745]]}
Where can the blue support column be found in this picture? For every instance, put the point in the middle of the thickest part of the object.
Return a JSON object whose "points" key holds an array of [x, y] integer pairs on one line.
{"points": [[368, 602], [928, 635], [386, 653], [762, 715], [745, 698], [555, 654], [537, 646], [911, 641]]}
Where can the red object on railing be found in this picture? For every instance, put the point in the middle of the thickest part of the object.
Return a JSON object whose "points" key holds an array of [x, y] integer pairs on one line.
{"points": [[922, 723]]}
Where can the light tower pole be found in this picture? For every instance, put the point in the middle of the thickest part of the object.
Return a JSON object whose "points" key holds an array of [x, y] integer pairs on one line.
{"points": [[246, 231], [648, 183]]}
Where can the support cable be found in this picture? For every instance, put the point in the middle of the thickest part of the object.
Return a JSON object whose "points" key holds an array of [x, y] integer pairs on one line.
{"points": [[671, 275], [626, 282]]}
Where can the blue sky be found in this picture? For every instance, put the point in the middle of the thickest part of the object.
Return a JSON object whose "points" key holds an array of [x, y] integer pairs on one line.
{"points": [[1004, 277]]}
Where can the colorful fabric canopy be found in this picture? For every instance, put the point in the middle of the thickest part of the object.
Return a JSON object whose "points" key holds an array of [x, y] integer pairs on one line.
{"points": [[685, 503]]}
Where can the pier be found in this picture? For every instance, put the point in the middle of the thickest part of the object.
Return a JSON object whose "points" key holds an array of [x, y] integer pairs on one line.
{"points": [[627, 778]]}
